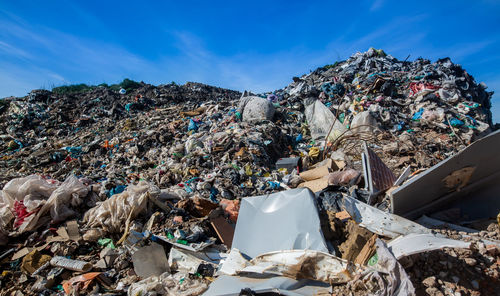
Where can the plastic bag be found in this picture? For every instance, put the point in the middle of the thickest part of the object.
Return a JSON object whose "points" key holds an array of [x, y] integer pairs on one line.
{"points": [[112, 213], [5, 213], [69, 194], [320, 119], [31, 192]]}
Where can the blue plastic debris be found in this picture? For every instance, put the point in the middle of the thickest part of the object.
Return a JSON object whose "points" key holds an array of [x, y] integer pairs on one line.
{"points": [[74, 151], [273, 185], [19, 143], [456, 122], [418, 114], [193, 126], [213, 194], [116, 190]]}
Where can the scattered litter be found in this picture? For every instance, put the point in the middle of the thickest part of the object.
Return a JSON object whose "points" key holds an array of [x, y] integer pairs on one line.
{"points": [[192, 189]]}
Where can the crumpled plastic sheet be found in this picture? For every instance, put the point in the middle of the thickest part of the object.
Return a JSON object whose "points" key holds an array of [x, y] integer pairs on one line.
{"points": [[112, 214], [295, 264], [363, 122], [31, 191], [5, 215], [79, 283], [388, 279], [69, 194], [167, 284], [34, 192], [417, 87]]}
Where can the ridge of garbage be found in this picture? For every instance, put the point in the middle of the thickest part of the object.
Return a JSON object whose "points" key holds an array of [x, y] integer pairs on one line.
{"points": [[193, 189]]}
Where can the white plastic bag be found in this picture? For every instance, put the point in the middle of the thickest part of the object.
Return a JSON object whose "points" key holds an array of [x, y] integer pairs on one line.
{"points": [[31, 190], [320, 119], [5, 213]]}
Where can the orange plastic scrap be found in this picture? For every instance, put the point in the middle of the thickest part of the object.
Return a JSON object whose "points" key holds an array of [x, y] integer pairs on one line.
{"points": [[241, 152], [80, 282], [106, 145], [231, 207]]}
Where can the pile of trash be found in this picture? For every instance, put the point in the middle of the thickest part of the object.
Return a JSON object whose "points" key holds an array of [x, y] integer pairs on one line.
{"points": [[371, 176]]}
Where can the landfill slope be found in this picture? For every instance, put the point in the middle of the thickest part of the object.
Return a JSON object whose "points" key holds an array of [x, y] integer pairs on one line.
{"points": [[128, 179]]}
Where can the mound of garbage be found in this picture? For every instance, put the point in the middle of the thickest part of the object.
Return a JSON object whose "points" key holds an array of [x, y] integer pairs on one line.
{"points": [[370, 176]]}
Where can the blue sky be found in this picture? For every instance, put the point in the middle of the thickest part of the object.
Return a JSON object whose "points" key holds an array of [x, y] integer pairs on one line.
{"points": [[254, 45]]}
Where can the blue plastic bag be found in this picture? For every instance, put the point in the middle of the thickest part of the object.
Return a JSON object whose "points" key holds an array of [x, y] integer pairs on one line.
{"points": [[193, 126]]}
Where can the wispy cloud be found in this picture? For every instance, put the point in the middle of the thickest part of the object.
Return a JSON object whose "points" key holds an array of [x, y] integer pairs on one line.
{"points": [[61, 57], [41, 56], [51, 57], [13, 51]]}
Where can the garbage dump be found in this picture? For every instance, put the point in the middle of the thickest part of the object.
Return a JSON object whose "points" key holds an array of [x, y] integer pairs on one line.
{"points": [[370, 176]]}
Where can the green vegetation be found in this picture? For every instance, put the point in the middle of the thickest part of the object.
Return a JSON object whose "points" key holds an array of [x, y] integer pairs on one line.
{"points": [[326, 67], [73, 88], [126, 84]]}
